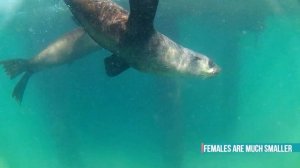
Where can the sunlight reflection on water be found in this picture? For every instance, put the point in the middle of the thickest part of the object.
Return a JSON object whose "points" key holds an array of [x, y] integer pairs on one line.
{"points": [[7, 10]]}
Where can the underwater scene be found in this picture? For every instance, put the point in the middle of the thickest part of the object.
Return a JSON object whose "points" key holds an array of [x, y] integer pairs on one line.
{"points": [[93, 113]]}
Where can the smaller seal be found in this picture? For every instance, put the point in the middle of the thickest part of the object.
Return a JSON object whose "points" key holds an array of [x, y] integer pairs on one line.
{"points": [[73, 45]]}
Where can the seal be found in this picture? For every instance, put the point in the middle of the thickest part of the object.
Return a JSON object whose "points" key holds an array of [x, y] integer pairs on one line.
{"points": [[133, 40], [73, 45]]}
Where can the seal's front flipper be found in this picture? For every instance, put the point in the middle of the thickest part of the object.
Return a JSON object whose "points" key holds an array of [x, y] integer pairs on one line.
{"points": [[115, 65], [142, 14]]}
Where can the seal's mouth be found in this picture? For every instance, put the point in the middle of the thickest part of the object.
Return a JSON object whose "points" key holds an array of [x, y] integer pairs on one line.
{"points": [[216, 70], [213, 71]]}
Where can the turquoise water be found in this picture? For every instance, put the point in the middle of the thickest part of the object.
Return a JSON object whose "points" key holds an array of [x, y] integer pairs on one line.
{"points": [[75, 116]]}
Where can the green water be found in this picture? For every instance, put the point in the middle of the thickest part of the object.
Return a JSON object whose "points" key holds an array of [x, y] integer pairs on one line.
{"points": [[75, 116]]}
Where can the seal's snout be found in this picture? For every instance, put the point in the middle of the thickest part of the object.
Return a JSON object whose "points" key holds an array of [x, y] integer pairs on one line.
{"points": [[215, 69]]}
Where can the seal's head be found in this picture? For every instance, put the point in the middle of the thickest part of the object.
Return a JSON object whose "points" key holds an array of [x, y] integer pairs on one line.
{"points": [[201, 65]]}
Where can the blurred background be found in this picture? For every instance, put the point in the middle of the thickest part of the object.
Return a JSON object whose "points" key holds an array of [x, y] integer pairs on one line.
{"points": [[74, 116]]}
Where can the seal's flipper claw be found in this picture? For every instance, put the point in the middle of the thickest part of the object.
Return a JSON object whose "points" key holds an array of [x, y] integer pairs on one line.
{"points": [[115, 65], [142, 14]]}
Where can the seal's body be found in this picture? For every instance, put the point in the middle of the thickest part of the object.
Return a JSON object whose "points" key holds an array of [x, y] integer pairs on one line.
{"points": [[134, 42], [72, 46]]}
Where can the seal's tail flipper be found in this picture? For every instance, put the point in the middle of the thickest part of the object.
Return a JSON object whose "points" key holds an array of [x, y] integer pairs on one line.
{"points": [[20, 87], [14, 67]]}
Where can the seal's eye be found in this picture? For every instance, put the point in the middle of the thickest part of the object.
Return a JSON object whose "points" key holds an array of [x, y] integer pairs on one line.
{"points": [[197, 59], [211, 64]]}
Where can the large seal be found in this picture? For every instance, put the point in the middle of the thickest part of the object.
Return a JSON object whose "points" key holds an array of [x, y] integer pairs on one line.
{"points": [[71, 46], [134, 41]]}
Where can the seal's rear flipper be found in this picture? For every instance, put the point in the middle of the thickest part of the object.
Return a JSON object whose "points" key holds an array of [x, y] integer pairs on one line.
{"points": [[14, 67], [115, 65], [20, 87], [142, 14]]}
